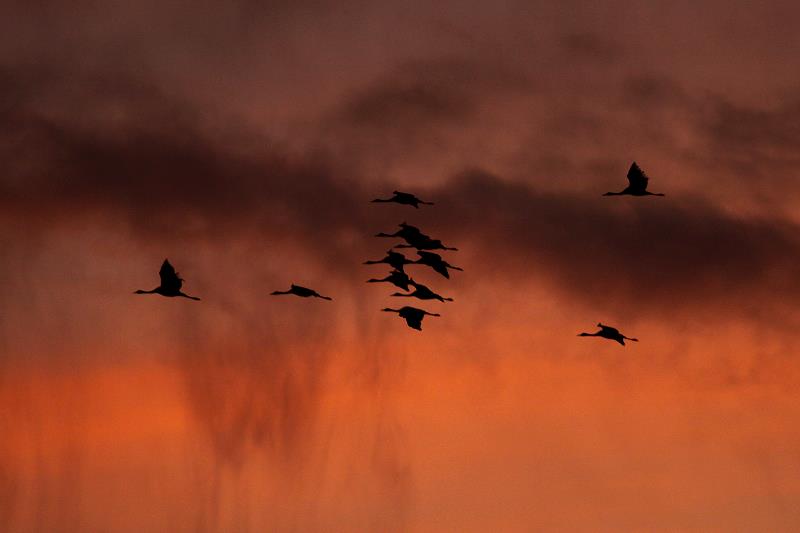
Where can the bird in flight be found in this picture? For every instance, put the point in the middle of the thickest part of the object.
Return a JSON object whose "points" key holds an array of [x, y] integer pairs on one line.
{"points": [[637, 184], [171, 283], [424, 243], [406, 231], [423, 293], [607, 332], [412, 315], [397, 278], [303, 292], [415, 238], [394, 259], [404, 198], [436, 262]]}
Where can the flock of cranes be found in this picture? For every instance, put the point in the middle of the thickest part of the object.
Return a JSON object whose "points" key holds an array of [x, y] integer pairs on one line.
{"points": [[414, 238], [171, 282]]}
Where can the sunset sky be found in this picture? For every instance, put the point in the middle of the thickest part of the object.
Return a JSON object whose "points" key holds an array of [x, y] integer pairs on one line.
{"points": [[244, 140]]}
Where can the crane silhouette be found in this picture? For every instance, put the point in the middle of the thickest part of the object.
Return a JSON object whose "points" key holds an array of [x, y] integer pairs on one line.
{"points": [[303, 292], [406, 231], [424, 243], [607, 332], [394, 259], [436, 262], [171, 283], [412, 315], [404, 198], [397, 278], [637, 184], [423, 293]]}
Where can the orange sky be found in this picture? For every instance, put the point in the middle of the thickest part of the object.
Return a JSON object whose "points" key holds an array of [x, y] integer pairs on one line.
{"points": [[244, 143]]}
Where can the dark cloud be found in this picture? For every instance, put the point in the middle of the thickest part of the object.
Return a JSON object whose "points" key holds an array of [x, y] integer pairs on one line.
{"points": [[755, 141], [410, 112], [144, 160], [654, 254], [164, 173], [416, 93]]}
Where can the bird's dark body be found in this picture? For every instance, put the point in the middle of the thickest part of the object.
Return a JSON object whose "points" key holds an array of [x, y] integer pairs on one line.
{"points": [[396, 260], [425, 244], [607, 332], [412, 315], [637, 184], [303, 292], [436, 262], [404, 198], [406, 232], [423, 293], [397, 278], [171, 283]]}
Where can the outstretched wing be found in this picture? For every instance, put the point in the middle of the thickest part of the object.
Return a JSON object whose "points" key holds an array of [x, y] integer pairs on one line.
{"points": [[302, 291], [609, 330], [404, 196], [419, 286], [413, 316], [441, 268], [169, 278], [637, 178], [399, 276], [414, 322]]}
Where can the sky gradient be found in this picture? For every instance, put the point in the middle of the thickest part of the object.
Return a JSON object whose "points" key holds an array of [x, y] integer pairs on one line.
{"points": [[244, 143]]}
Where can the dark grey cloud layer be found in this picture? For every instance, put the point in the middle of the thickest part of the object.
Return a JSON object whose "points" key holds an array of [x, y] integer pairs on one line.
{"points": [[641, 253], [166, 171]]}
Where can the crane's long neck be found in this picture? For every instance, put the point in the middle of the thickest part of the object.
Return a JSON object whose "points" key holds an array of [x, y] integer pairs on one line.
{"points": [[588, 334], [140, 291], [613, 194]]}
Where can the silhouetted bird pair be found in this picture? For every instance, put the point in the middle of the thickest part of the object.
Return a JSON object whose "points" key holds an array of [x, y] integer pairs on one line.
{"points": [[401, 279], [171, 284], [637, 186], [398, 261]]}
